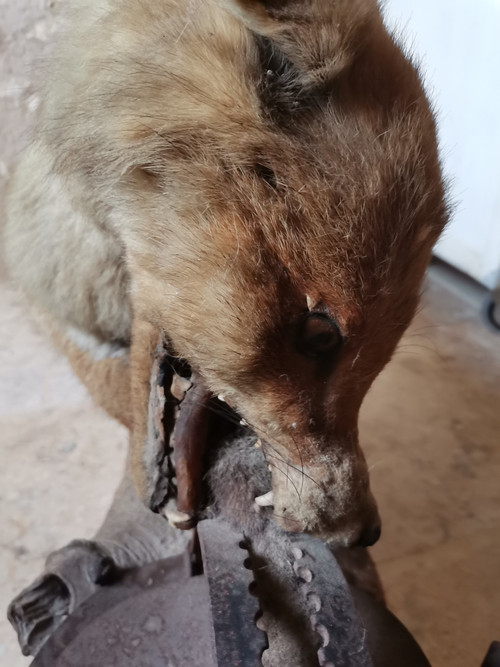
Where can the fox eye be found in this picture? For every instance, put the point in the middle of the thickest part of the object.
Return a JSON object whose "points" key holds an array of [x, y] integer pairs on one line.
{"points": [[319, 335]]}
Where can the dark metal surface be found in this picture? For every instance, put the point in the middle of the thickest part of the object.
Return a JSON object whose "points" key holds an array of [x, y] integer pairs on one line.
{"points": [[237, 640], [493, 657], [157, 616], [389, 643], [162, 615], [332, 612]]}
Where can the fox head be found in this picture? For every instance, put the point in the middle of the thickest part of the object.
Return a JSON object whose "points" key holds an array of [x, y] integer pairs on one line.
{"points": [[279, 198]]}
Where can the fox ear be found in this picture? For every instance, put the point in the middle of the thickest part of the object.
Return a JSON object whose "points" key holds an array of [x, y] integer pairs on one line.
{"points": [[319, 37], [261, 16]]}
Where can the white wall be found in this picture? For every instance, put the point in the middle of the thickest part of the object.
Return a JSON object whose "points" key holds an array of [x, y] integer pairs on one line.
{"points": [[458, 44]]}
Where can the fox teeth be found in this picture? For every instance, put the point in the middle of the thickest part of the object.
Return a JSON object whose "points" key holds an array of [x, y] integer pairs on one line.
{"points": [[258, 444], [179, 387], [175, 517], [267, 500], [221, 397]]}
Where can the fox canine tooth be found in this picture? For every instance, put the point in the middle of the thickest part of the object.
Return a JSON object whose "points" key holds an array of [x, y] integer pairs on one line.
{"points": [[267, 500]]}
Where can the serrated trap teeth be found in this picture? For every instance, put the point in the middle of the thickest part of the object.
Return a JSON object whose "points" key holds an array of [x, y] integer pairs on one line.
{"points": [[234, 598]]}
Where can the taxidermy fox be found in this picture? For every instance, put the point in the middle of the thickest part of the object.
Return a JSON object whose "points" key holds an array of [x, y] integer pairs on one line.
{"points": [[255, 183]]}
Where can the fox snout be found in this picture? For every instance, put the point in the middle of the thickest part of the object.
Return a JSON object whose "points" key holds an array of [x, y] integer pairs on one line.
{"points": [[329, 498]]}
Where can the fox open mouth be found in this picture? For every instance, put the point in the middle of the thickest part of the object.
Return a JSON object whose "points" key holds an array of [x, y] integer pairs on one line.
{"points": [[183, 418], [185, 422]]}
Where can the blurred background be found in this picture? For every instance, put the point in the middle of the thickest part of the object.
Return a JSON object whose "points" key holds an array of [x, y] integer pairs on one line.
{"points": [[430, 426]]}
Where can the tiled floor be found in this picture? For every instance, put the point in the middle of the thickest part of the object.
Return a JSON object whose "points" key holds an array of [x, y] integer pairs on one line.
{"points": [[431, 430]]}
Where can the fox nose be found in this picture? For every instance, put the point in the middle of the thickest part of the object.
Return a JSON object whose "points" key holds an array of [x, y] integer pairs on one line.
{"points": [[369, 536]]}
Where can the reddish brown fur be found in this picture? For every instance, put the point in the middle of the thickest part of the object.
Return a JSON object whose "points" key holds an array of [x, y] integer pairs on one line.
{"points": [[235, 193]]}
